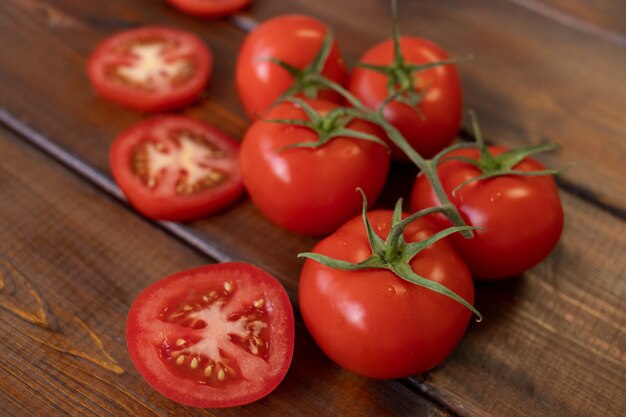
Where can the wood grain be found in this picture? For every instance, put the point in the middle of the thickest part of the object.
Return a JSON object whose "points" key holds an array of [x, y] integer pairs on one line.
{"points": [[605, 20], [531, 79], [71, 262], [553, 341]]}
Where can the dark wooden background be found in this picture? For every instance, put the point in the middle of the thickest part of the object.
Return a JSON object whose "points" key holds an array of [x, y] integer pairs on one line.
{"points": [[73, 255]]}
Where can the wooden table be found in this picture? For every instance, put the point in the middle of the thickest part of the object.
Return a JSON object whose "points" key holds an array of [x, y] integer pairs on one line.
{"points": [[73, 255]]}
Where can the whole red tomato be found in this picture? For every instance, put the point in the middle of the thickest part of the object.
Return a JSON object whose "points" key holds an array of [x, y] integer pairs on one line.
{"points": [[293, 39], [521, 215], [371, 321], [441, 106], [309, 191]]}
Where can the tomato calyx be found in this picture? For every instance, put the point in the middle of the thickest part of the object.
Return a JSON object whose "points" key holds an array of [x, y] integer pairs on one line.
{"points": [[305, 80], [395, 254], [491, 165], [327, 125], [402, 80]]}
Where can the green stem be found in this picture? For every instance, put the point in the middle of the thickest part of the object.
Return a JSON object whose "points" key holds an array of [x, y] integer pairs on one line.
{"points": [[428, 168]]}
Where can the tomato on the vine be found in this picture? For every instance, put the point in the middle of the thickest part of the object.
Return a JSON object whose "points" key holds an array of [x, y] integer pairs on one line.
{"points": [[436, 121], [310, 190], [210, 8], [221, 335], [296, 41], [522, 215], [176, 168], [151, 69], [375, 323]]}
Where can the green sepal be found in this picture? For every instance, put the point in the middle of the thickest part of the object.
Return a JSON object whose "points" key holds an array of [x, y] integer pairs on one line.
{"points": [[305, 79], [331, 125], [405, 272], [491, 165], [394, 254]]}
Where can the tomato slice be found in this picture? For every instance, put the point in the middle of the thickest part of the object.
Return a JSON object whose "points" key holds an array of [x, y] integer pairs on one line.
{"points": [[216, 336], [176, 168], [210, 8], [151, 69]]}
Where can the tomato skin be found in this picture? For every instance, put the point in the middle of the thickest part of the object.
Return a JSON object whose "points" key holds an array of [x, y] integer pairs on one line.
{"points": [[374, 323], [442, 106], [210, 8], [166, 204], [309, 191], [145, 331], [294, 39], [522, 216], [164, 97]]}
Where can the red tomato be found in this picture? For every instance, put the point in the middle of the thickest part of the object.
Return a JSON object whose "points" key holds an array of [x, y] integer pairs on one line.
{"points": [[441, 106], [374, 323], [176, 168], [310, 191], [216, 336], [522, 216], [210, 8], [293, 39], [151, 69]]}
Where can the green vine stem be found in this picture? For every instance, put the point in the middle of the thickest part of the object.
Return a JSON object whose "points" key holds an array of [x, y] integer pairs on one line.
{"points": [[428, 167]]}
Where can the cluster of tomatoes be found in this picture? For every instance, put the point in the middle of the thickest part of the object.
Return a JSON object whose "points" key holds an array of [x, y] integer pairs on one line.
{"points": [[385, 294]]}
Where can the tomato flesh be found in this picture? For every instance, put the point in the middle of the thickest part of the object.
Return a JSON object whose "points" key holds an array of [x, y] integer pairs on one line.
{"points": [[151, 69], [176, 168], [216, 336]]}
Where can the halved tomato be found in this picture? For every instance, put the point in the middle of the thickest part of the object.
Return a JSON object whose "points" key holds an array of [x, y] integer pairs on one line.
{"points": [[210, 8], [176, 168], [216, 336], [151, 69]]}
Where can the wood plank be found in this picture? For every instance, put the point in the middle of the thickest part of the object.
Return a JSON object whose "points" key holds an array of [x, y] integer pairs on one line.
{"points": [[71, 263], [532, 80], [553, 341], [514, 359], [559, 324]]}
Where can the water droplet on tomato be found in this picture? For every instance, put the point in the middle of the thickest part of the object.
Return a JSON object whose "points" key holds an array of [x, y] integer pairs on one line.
{"points": [[390, 291], [341, 243], [495, 196]]}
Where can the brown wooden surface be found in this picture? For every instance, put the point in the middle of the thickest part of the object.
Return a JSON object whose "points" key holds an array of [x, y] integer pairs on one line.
{"points": [[66, 283], [553, 341]]}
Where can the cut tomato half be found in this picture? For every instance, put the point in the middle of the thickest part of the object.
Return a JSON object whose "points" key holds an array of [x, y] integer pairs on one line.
{"points": [[151, 69], [216, 336], [176, 168], [210, 8]]}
